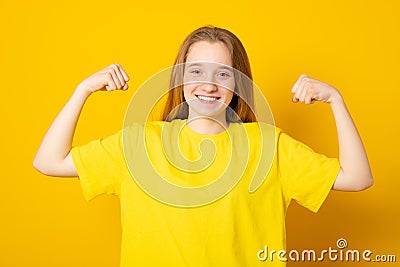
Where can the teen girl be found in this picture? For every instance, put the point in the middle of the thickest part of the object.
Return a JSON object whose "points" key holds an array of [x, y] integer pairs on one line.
{"points": [[232, 229]]}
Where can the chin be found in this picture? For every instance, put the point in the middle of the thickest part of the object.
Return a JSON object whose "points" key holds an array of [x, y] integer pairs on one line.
{"points": [[207, 110]]}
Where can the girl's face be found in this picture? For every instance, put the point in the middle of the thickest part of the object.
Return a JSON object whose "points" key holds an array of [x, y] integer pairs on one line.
{"points": [[209, 79]]}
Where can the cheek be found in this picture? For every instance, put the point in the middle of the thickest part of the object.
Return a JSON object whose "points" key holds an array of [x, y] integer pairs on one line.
{"points": [[228, 96], [187, 91]]}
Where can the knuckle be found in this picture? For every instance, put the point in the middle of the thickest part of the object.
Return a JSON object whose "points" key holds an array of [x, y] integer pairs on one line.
{"points": [[110, 69], [115, 66], [108, 75]]}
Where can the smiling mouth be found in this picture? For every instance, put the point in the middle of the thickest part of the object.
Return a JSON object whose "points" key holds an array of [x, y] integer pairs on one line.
{"points": [[207, 98]]}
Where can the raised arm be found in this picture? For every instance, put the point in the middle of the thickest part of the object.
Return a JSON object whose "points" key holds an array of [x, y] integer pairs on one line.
{"points": [[53, 156], [355, 173]]}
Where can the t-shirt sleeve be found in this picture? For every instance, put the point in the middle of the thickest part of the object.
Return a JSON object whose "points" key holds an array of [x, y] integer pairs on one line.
{"points": [[99, 165], [307, 176]]}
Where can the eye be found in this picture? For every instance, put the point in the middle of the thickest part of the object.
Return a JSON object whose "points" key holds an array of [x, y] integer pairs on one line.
{"points": [[224, 75], [195, 72]]}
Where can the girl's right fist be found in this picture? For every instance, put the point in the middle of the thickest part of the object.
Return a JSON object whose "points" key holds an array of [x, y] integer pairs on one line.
{"points": [[111, 78]]}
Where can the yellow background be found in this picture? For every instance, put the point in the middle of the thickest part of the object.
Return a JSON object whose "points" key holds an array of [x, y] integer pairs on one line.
{"points": [[48, 47]]}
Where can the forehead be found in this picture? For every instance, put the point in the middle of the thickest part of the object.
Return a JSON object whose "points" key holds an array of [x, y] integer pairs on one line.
{"points": [[215, 52]]}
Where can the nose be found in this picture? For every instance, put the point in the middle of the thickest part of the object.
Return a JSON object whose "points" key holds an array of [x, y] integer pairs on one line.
{"points": [[208, 87]]}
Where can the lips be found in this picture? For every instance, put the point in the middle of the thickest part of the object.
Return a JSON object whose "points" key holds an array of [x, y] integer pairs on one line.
{"points": [[207, 98]]}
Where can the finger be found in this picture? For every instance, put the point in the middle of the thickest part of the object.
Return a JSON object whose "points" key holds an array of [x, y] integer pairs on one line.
{"points": [[313, 92], [296, 84], [319, 97], [119, 74], [126, 77], [116, 79], [110, 82], [306, 89], [308, 99], [299, 91]]}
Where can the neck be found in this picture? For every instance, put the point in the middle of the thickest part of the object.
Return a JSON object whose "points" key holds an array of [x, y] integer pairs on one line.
{"points": [[204, 125]]}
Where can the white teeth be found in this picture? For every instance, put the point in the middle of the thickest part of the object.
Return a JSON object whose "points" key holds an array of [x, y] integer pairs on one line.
{"points": [[206, 98]]}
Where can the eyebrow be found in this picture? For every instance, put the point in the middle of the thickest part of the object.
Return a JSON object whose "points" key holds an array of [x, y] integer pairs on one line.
{"points": [[221, 66], [193, 64]]}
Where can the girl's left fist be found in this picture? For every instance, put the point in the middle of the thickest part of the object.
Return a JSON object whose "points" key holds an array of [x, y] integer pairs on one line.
{"points": [[308, 90]]}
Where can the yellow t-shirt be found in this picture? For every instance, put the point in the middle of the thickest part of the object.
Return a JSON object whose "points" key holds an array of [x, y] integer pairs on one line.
{"points": [[228, 231]]}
